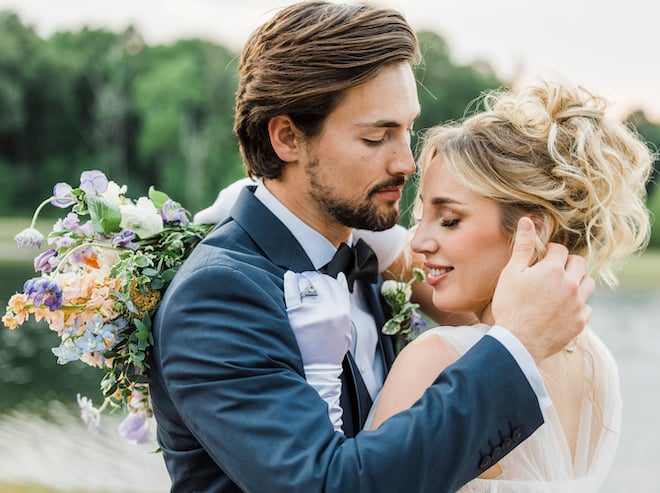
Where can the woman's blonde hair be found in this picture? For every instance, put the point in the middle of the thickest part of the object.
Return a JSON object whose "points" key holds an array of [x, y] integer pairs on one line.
{"points": [[550, 152]]}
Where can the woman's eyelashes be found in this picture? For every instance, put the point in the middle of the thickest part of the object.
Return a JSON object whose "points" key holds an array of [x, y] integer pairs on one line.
{"points": [[449, 223]]}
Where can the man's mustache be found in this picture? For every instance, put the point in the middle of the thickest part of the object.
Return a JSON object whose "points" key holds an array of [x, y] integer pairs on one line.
{"points": [[396, 181]]}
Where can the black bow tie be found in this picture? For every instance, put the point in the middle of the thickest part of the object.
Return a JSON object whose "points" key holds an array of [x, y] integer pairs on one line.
{"points": [[356, 262]]}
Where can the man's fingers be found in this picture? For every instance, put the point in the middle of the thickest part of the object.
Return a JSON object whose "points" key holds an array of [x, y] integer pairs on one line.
{"points": [[558, 254], [575, 266], [587, 288], [524, 244]]}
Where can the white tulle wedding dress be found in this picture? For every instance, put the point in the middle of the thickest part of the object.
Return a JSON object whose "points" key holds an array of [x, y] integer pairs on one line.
{"points": [[544, 462]]}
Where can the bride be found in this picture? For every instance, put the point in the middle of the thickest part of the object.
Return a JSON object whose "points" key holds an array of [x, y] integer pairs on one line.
{"points": [[549, 153]]}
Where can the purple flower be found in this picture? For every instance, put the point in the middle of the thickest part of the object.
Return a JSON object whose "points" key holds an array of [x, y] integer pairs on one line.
{"points": [[81, 254], [173, 213], [135, 428], [86, 229], [43, 291], [71, 222], [46, 261], [93, 182], [63, 194], [29, 237], [61, 242], [417, 323], [89, 414], [124, 239]]}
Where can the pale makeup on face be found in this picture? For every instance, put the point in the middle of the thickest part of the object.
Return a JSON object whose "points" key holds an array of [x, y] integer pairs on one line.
{"points": [[464, 247]]}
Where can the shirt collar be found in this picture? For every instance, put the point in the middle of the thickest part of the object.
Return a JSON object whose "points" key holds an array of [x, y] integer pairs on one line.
{"points": [[317, 247]]}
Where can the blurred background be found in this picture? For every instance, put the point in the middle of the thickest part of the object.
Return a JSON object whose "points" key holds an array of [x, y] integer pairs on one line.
{"points": [[144, 91]]}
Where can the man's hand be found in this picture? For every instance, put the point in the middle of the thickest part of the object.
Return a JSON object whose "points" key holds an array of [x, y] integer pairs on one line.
{"points": [[544, 305]]}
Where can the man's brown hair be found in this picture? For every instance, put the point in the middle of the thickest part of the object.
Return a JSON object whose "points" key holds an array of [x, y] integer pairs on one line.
{"points": [[301, 62]]}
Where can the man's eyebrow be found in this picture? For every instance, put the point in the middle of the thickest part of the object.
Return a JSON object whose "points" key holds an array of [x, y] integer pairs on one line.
{"points": [[380, 124], [384, 123]]}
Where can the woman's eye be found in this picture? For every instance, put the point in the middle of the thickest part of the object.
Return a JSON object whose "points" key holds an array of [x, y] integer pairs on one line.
{"points": [[449, 223], [374, 142]]}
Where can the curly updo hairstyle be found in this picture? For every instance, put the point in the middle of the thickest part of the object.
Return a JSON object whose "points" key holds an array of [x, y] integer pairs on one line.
{"points": [[552, 153], [301, 63]]}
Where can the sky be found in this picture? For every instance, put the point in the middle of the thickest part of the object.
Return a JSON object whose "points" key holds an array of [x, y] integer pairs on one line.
{"points": [[611, 48]]}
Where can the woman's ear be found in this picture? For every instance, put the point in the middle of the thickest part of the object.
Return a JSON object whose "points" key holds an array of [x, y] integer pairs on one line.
{"points": [[283, 137], [543, 225]]}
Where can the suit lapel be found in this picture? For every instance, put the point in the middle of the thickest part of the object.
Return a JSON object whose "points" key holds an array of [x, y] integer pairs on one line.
{"points": [[269, 233]]}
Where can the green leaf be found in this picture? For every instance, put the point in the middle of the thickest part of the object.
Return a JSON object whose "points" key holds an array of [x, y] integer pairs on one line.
{"points": [[141, 261], [158, 198], [390, 328], [168, 275], [105, 216], [150, 272], [157, 284]]}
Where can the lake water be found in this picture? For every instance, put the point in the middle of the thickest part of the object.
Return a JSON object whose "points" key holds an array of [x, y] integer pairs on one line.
{"points": [[42, 440]]}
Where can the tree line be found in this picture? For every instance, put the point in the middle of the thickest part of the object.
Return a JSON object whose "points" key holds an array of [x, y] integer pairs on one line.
{"points": [[161, 115]]}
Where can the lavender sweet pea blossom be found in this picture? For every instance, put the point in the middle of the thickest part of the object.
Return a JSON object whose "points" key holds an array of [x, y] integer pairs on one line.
{"points": [[136, 428], [124, 239], [42, 290], [93, 182], [46, 261], [173, 213], [63, 194]]}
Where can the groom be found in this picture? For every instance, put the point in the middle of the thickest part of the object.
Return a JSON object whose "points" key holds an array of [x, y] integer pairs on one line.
{"points": [[324, 109]]}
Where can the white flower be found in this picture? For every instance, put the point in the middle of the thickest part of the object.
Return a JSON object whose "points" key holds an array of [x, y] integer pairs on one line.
{"points": [[396, 288], [114, 193], [142, 218]]}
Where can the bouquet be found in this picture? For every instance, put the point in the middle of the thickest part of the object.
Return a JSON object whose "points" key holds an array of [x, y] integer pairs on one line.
{"points": [[110, 259]]}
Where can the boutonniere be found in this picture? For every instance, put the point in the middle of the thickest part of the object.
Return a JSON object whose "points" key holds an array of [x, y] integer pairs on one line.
{"points": [[406, 322]]}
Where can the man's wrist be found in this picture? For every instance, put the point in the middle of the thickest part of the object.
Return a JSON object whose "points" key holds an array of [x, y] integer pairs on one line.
{"points": [[525, 362]]}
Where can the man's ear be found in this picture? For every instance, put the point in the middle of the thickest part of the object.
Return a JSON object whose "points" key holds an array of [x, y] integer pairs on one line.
{"points": [[283, 137]]}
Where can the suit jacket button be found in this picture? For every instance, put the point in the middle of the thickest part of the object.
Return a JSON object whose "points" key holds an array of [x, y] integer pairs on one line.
{"points": [[497, 453], [507, 443], [516, 435], [486, 462]]}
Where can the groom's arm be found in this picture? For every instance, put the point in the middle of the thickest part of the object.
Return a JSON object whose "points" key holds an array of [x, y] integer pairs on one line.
{"points": [[233, 372]]}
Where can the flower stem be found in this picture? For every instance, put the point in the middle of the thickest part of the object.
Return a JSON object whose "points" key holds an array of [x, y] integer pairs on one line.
{"points": [[38, 210]]}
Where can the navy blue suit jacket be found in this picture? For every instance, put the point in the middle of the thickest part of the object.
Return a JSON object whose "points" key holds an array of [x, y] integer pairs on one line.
{"points": [[234, 411]]}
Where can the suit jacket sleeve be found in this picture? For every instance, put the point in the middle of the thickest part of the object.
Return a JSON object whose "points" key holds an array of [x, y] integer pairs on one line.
{"points": [[229, 385]]}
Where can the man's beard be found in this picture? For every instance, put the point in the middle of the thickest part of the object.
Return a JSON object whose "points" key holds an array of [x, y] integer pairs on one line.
{"points": [[361, 216]]}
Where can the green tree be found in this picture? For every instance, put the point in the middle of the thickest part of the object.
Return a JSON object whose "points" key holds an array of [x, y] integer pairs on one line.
{"points": [[185, 107]]}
